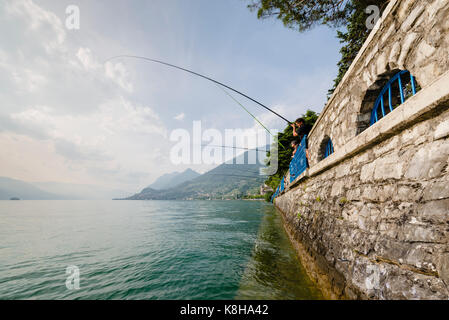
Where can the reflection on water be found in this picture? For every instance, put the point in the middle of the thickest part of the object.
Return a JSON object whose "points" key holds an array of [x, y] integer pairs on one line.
{"points": [[274, 271]]}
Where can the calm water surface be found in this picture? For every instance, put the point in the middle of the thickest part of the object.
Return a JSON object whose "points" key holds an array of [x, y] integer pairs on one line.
{"points": [[148, 250]]}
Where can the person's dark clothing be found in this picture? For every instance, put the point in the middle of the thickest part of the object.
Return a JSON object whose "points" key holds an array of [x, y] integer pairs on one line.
{"points": [[303, 130]]}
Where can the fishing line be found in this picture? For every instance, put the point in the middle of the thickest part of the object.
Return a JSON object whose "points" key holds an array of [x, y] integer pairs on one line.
{"points": [[254, 117], [241, 105], [232, 147], [202, 76], [238, 176]]}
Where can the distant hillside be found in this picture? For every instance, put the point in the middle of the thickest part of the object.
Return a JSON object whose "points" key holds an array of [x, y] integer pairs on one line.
{"points": [[72, 191], [171, 180], [11, 188], [227, 181]]}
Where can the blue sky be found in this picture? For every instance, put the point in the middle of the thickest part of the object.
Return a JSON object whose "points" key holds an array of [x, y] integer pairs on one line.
{"points": [[67, 116]]}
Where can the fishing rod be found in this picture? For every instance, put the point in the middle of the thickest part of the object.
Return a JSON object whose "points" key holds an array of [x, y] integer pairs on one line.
{"points": [[232, 147], [236, 175], [202, 76]]}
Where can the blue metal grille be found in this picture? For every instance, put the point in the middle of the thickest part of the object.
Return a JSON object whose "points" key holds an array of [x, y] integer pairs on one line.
{"points": [[401, 87], [299, 163], [329, 149], [297, 166]]}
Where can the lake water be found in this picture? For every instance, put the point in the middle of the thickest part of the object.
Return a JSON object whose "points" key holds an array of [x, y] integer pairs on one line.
{"points": [[148, 250]]}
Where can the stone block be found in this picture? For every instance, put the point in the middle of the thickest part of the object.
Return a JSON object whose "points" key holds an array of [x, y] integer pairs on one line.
{"points": [[407, 193], [370, 193], [388, 167], [411, 18], [410, 136], [429, 161], [394, 54], [418, 233], [434, 211], [437, 191], [367, 172], [337, 188], [420, 257], [406, 46], [342, 170], [387, 146], [443, 268], [442, 130], [436, 7], [386, 192], [423, 52]]}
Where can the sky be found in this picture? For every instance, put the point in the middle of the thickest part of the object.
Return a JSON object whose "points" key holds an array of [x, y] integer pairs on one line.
{"points": [[68, 114]]}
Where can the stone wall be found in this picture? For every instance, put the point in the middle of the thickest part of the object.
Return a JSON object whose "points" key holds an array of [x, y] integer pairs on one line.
{"points": [[413, 35], [371, 221]]}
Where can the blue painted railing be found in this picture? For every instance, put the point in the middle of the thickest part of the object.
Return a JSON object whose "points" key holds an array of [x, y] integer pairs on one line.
{"points": [[274, 196], [402, 86], [329, 149], [299, 163], [297, 166]]}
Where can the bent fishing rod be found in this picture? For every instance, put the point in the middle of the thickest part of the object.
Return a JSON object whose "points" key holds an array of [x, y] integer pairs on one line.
{"points": [[202, 76], [233, 147]]}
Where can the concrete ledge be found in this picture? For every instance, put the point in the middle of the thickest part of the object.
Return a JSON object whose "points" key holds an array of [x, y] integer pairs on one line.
{"points": [[425, 101]]}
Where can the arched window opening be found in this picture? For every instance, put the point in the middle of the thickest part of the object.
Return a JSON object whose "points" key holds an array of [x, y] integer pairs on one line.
{"points": [[329, 149], [326, 148], [398, 89], [379, 93]]}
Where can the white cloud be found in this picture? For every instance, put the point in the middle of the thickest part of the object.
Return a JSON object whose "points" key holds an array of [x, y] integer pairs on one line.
{"points": [[180, 116], [115, 117], [38, 19], [121, 115], [58, 96], [119, 74], [28, 80], [110, 144], [84, 55]]}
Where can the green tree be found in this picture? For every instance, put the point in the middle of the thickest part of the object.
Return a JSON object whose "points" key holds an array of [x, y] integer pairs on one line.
{"points": [[305, 14], [354, 36]]}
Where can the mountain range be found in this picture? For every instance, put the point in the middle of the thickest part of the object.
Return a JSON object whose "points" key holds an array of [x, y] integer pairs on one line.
{"points": [[171, 180], [12, 188], [227, 181]]}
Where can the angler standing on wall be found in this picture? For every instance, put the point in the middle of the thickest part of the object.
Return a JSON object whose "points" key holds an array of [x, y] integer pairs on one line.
{"points": [[300, 129]]}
